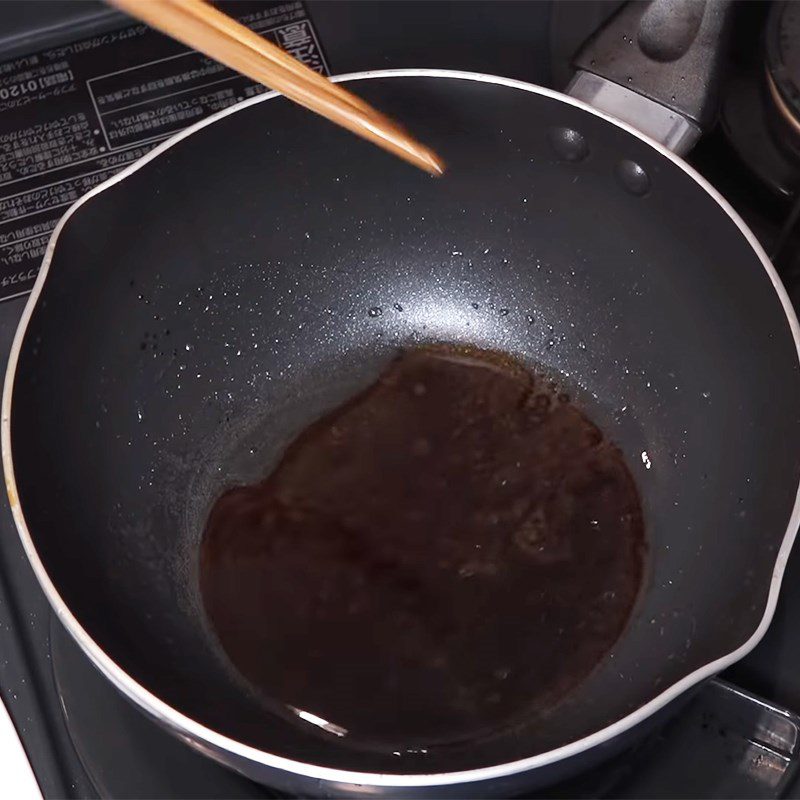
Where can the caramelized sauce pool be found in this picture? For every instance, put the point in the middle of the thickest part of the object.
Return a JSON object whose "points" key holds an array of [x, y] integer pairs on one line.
{"points": [[446, 555]]}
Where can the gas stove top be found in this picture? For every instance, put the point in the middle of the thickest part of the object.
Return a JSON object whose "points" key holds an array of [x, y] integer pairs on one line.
{"points": [[736, 737]]}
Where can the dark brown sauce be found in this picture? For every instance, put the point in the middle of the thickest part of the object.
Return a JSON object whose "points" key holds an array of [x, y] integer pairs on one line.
{"points": [[444, 556]]}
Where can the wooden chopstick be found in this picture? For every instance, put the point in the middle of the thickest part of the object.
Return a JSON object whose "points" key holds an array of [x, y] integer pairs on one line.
{"points": [[204, 28]]}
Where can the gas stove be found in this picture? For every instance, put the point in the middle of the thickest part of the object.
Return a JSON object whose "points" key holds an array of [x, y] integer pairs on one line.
{"points": [[735, 737]]}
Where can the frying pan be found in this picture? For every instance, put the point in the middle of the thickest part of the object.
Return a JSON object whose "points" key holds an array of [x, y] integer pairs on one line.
{"points": [[200, 308]]}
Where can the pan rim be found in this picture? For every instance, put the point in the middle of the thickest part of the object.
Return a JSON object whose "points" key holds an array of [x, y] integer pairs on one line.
{"points": [[174, 719]]}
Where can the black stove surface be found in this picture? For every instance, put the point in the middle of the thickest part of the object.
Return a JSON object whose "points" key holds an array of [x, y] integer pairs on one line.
{"points": [[84, 740]]}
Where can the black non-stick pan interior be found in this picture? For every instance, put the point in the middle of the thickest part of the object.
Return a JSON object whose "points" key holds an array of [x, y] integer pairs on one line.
{"points": [[200, 312]]}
